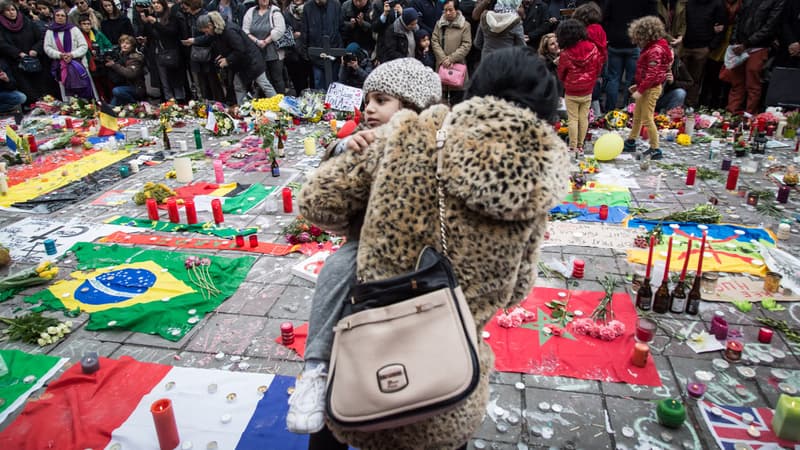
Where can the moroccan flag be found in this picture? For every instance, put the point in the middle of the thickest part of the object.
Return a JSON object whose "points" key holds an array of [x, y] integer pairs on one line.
{"points": [[535, 347], [148, 291], [14, 390], [108, 121], [111, 409], [13, 141]]}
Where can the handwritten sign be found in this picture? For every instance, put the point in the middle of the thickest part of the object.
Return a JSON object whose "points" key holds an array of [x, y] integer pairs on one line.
{"points": [[589, 235], [26, 238], [344, 98], [310, 267], [738, 287]]}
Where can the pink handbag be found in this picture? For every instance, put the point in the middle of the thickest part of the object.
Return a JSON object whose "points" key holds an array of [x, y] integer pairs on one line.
{"points": [[454, 75]]}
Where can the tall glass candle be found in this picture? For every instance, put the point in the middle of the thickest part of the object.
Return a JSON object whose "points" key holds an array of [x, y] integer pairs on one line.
{"points": [[765, 335], [152, 209], [32, 146], [191, 211], [164, 420], [219, 175], [733, 177], [603, 212], [216, 211], [286, 194], [783, 194], [726, 163], [691, 174], [172, 211]]}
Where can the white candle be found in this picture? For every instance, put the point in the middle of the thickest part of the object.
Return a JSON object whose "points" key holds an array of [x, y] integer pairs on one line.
{"points": [[2, 167], [3, 184], [183, 170], [781, 127], [134, 166], [182, 146], [145, 133]]}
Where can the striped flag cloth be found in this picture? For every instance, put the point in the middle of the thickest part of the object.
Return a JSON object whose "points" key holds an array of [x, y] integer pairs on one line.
{"points": [[729, 428]]}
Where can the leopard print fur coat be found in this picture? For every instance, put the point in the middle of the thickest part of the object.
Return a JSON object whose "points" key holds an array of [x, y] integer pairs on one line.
{"points": [[503, 170]]}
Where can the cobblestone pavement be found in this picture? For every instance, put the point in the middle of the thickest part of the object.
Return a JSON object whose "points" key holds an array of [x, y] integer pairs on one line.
{"points": [[592, 414]]}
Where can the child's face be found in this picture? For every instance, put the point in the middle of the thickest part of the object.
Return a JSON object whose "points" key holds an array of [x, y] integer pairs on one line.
{"points": [[86, 26], [425, 42], [380, 108]]}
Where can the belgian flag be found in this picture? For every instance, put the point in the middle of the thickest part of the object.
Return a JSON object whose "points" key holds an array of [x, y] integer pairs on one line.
{"points": [[108, 121]]}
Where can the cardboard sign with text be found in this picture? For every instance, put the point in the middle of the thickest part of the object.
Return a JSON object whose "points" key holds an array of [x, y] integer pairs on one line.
{"points": [[589, 235], [738, 287], [344, 98]]}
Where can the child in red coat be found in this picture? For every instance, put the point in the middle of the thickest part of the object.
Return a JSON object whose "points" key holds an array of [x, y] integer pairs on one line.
{"points": [[579, 66], [651, 71]]}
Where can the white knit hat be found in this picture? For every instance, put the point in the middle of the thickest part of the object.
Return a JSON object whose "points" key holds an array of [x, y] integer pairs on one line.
{"points": [[407, 79]]}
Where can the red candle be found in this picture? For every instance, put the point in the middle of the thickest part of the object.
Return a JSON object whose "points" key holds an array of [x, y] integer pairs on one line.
{"points": [[603, 212], [172, 210], [702, 251], [239, 240], [770, 130], [650, 256], [765, 335], [191, 212], [216, 210], [68, 123], [578, 267], [669, 256], [287, 333], [164, 420], [32, 144], [783, 194], [686, 262], [645, 330], [287, 199], [725, 126], [253, 241], [640, 353], [691, 174], [733, 177], [733, 352], [152, 209]]}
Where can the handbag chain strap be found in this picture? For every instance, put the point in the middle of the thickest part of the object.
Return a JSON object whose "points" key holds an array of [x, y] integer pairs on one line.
{"points": [[441, 137]]}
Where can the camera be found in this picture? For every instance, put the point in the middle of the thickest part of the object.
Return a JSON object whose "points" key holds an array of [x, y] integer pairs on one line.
{"points": [[110, 54], [349, 57]]}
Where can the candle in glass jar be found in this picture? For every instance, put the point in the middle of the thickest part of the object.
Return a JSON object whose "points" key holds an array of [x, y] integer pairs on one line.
{"points": [[603, 214], [152, 209], [253, 241], [219, 175], [287, 333], [691, 174], [752, 199], [216, 211], [645, 330], [68, 123], [765, 335], [733, 177], [726, 163], [671, 413], [783, 194], [578, 268], [172, 211], [164, 420], [286, 194], [772, 282], [770, 130], [786, 421], [191, 211], [239, 240], [696, 389], [640, 353], [32, 146], [733, 351]]}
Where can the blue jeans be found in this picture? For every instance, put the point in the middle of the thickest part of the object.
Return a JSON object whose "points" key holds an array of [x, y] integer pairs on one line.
{"points": [[620, 60], [319, 75], [671, 99], [11, 99], [123, 95]]}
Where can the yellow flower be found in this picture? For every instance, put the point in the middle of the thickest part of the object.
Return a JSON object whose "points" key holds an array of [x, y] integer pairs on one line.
{"points": [[683, 139], [43, 266]]}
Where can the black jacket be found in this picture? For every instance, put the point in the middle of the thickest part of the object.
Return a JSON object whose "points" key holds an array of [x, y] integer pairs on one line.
{"points": [[701, 16], [536, 23], [758, 23], [165, 36], [353, 32], [394, 43], [114, 28], [243, 56], [790, 32], [429, 13], [28, 38], [319, 21], [618, 14]]}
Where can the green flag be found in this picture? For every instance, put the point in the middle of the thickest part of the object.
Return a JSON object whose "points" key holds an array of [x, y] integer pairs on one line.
{"points": [[201, 228], [16, 385]]}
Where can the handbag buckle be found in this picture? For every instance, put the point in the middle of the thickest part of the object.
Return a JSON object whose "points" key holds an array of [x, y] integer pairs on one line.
{"points": [[441, 136]]}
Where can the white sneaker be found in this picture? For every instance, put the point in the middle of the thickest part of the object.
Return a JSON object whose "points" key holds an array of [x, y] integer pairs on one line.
{"points": [[307, 403]]}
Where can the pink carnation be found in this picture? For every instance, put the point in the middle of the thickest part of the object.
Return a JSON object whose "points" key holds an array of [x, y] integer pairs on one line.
{"points": [[606, 333], [617, 326], [583, 326], [504, 321]]}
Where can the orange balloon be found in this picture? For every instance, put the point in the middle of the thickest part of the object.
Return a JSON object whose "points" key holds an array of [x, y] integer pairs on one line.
{"points": [[347, 129]]}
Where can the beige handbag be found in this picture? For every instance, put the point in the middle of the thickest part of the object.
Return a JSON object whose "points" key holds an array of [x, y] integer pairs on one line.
{"points": [[409, 349]]}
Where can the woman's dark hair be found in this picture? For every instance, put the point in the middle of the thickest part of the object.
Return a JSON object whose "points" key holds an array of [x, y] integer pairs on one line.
{"points": [[7, 4], [570, 32], [455, 3], [115, 12], [518, 75], [165, 11], [588, 13], [84, 18]]}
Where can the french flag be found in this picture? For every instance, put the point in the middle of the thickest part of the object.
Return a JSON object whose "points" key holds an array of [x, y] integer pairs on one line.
{"points": [[110, 409]]}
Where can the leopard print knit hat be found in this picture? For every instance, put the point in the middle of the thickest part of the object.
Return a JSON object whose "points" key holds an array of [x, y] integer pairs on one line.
{"points": [[407, 79]]}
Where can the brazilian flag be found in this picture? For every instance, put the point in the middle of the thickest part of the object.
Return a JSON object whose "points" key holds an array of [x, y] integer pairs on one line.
{"points": [[149, 291]]}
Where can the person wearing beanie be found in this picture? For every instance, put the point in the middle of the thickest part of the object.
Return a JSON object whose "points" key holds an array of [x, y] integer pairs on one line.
{"points": [[500, 28], [398, 39], [504, 167], [392, 87], [356, 65], [423, 46]]}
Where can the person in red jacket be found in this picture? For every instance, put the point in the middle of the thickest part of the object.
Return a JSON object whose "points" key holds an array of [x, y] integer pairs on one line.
{"points": [[652, 67], [579, 66]]}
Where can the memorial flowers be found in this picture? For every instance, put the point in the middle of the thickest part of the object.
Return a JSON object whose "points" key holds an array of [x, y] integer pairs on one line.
{"points": [[200, 276], [616, 119], [602, 324], [34, 328], [300, 231]]}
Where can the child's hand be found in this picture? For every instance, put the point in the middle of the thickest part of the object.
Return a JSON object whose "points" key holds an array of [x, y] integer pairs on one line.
{"points": [[360, 141], [636, 95], [632, 88]]}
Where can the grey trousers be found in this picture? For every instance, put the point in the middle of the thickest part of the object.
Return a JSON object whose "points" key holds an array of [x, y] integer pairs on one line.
{"points": [[333, 285]]}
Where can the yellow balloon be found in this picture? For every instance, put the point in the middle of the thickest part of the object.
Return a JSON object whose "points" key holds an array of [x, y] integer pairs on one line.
{"points": [[608, 147]]}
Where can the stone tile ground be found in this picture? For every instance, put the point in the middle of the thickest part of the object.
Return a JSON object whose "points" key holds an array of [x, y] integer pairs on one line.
{"points": [[522, 412]]}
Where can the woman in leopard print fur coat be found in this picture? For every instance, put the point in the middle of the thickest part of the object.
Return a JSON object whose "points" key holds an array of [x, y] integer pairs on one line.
{"points": [[504, 169]]}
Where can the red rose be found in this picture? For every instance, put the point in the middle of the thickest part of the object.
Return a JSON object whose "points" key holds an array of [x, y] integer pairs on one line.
{"points": [[327, 105], [315, 230]]}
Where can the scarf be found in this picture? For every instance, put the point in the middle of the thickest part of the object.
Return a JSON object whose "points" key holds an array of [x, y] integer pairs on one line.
{"points": [[89, 56], [66, 28], [15, 26]]}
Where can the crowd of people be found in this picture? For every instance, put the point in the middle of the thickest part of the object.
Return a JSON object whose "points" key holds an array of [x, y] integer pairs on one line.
{"points": [[121, 51]]}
